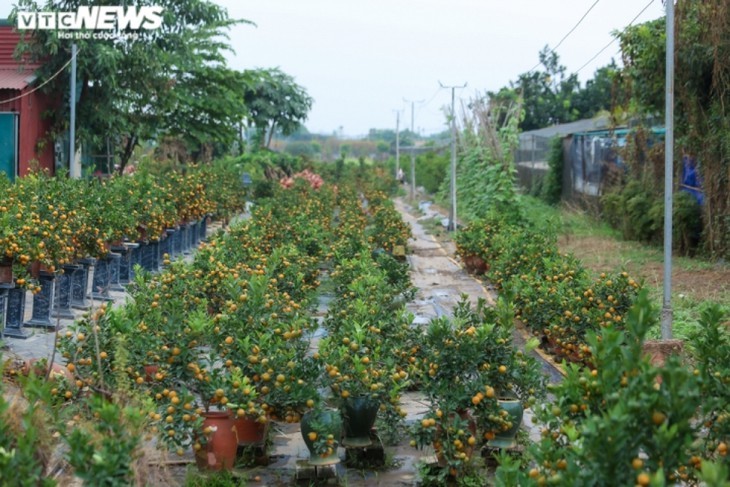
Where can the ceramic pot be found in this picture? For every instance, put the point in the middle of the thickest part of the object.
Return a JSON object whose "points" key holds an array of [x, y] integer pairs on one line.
{"points": [[322, 422], [358, 416], [506, 437]]}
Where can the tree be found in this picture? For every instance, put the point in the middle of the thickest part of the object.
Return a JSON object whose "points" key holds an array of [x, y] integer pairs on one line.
{"points": [[597, 96], [145, 84], [702, 95], [547, 95], [274, 102], [552, 96]]}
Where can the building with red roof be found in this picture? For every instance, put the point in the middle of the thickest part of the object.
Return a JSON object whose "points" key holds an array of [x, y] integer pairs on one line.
{"points": [[25, 141]]}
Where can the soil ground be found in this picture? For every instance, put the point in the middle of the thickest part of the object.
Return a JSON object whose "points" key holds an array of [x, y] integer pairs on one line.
{"points": [[701, 281]]}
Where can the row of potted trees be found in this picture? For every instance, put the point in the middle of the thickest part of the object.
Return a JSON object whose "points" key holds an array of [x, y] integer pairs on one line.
{"points": [[554, 295], [52, 221], [221, 338]]}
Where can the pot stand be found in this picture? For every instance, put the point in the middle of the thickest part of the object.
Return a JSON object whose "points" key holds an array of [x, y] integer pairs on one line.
{"points": [[127, 262], [203, 233], [164, 248], [62, 297], [145, 256], [43, 302], [80, 284], [177, 242], [155, 252], [3, 306], [114, 268], [370, 456], [102, 279], [194, 235], [170, 233], [185, 239], [15, 313], [307, 474]]}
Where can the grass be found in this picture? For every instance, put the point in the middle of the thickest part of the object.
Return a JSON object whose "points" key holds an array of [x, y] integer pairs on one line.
{"points": [[697, 283], [572, 222], [433, 226]]}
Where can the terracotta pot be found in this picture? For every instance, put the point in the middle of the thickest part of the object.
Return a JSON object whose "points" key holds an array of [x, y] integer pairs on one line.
{"points": [[219, 450], [150, 371], [359, 415], [475, 264], [36, 267], [250, 431], [6, 273], [58, 371]]}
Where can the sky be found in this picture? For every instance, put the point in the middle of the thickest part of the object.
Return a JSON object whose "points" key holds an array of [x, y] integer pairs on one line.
{"points": [[360, 59], [364, 61]]}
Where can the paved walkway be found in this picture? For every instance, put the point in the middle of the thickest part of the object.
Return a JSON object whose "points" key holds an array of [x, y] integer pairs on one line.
{"points": [[439, 278]]}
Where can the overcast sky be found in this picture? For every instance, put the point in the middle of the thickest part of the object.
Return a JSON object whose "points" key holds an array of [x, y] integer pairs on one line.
{"points": [[359, 59]]}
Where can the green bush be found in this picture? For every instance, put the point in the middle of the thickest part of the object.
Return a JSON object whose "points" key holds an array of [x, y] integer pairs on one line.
{"points": [[635, 211], [686, 222], [552, 186], [638, 212], [431, 169]]}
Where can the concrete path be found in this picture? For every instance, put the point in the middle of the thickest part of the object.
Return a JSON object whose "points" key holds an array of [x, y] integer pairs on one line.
{"points": [[441, 281]]}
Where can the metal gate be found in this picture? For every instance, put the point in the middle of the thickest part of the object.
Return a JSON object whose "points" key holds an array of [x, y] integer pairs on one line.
{"points": [[9, 144]]}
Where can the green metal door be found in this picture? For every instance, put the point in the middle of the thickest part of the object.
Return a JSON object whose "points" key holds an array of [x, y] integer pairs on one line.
{"points": [[9, 144]]}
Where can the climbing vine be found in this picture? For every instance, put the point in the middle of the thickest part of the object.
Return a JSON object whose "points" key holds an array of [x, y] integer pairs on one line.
{"points": [[485, 169]]}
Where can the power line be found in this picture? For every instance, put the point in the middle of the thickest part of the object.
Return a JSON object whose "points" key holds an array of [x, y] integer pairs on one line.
{"points": [[615, 38], [566, 35], [42, 84], [424, 105]]}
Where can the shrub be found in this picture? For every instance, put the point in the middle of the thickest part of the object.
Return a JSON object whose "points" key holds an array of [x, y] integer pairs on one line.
{"points": [[622, 423], [552, 185]]}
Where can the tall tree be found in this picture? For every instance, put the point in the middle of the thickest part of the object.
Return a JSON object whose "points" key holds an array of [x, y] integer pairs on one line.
{"points": [[702, 94], [597, 95], [547, 95], [274, 102], [141, 84]]}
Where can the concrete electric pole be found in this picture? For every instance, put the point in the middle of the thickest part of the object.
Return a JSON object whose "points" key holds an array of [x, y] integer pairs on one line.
{"points": [[452, 210], [413, 147], [397, 143], [666, 324]]}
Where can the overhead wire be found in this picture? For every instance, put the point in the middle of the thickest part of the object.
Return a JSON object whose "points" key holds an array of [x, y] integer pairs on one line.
{"points": [[567, 35], [54, 75], [615, 38]]}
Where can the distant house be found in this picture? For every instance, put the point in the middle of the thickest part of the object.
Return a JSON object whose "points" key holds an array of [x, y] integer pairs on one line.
{"points": [[24, 141]]}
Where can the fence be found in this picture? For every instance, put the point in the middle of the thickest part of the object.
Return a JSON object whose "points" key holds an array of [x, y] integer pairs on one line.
{"points": [[531, 160]]}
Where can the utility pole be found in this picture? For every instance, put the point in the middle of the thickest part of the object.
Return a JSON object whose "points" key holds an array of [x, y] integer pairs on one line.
{"points": [[73, 168], [413, 147], [452, 210], [397, 143], [666, 324]]}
